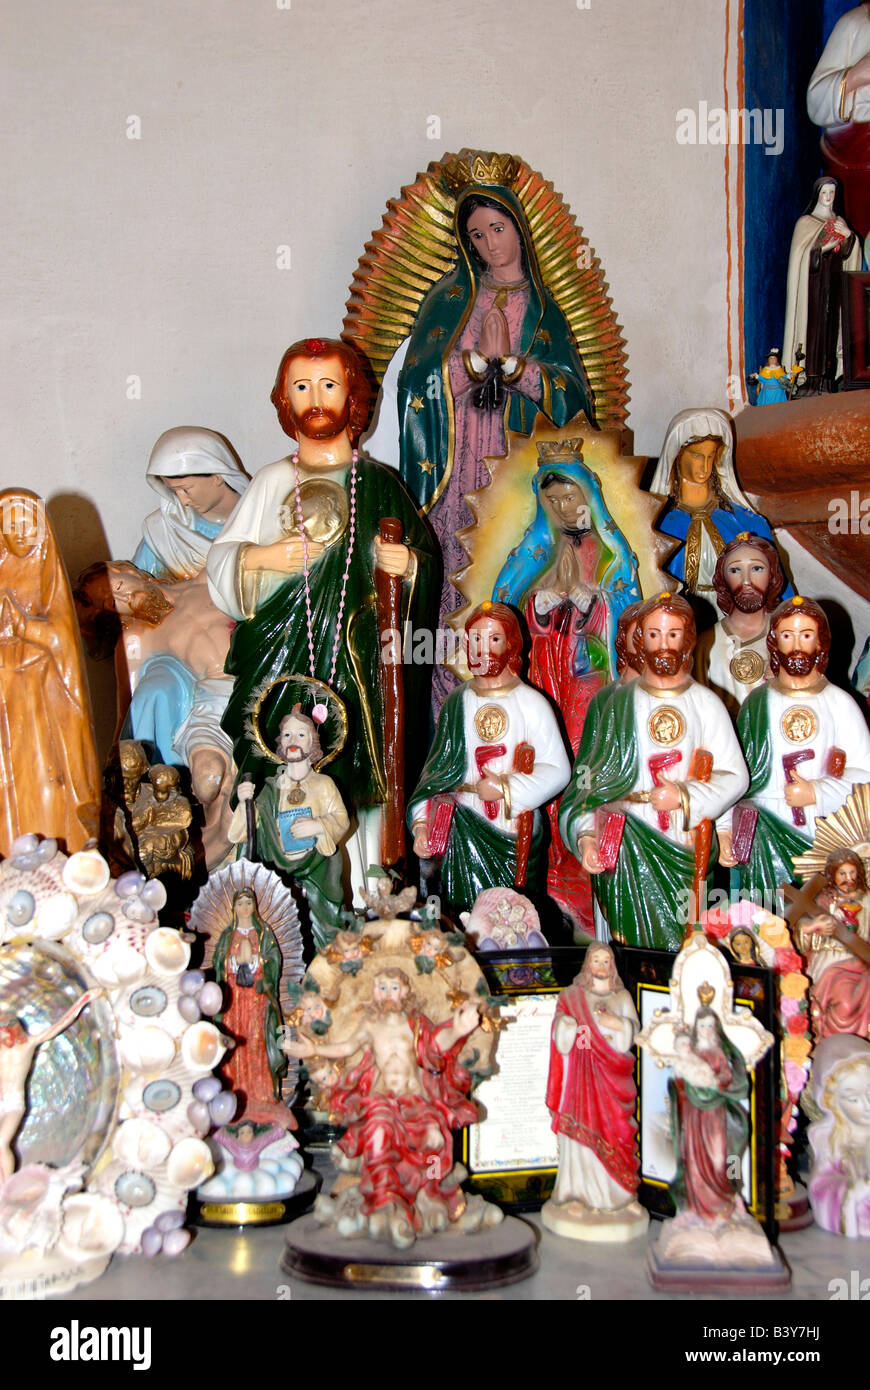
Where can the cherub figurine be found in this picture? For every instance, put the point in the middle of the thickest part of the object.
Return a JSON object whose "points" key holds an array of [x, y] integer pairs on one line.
{"points": [[592, 1097], [300, 820]]}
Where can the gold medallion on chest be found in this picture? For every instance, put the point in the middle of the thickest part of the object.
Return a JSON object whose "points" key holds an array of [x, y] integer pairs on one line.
{"points": [[798, 724], [490, 723], [666, 726]]}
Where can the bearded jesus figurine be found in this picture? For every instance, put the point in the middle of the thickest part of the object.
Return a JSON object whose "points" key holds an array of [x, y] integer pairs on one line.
{"points": [[304, 601], [806, 744], [591, 1096], [732, 657], [661, 751], [497, 757]]}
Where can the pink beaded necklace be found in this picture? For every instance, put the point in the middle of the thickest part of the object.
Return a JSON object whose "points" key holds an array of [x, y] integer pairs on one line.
{"points": [[320, 711]]}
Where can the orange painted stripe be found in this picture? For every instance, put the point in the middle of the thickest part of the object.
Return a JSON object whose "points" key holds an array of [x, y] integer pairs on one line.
{"points": [[728, 259]]}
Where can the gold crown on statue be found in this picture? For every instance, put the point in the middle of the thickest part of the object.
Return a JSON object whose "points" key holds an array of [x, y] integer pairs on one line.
{"points": [[472, 167], [706, 993], [561, 451]]}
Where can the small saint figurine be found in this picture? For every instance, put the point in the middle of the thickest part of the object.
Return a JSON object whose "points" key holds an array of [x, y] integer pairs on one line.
{"points": [[592, 1098], [839, 1182], [713, 1242], [162, 834], [391, 1058], [732, 657], [832, 943], [823, 247], [300, 821], [170, 644], [658, 761], [774, 383], [706, 507], [497, 758], [805, 743], [303, 601], [49, 778], [248, 963]]}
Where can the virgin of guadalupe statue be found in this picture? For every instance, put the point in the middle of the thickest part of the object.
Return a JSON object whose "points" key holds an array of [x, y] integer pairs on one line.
{"points": [[572, 575], [247, 962], [490, 346], [822, 247], [49, 778]]}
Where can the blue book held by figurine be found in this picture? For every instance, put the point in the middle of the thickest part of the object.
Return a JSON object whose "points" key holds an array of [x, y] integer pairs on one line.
{"points": [[285, 822]]}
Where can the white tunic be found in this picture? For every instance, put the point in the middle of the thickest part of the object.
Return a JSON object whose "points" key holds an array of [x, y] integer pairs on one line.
{"points": [[529, 719], [849, 42], [819, 720], [701, 721]]}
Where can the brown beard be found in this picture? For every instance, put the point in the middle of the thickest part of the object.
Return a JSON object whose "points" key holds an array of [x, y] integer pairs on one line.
{"points": [[150, 606], [664, 663], [797, 663], [748, 599], [313, 423]]}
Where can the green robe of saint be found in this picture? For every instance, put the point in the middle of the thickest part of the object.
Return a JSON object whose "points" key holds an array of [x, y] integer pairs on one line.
{"points": [[319, 874], [645, 897], [275, 642], [776, 841], [478, 854]]}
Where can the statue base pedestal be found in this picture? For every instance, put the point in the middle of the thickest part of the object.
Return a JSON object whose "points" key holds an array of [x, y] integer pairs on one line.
{"points": [[576, 1221], [486, 1259], [793, 1212], [251, 1211], [716, 1257]]}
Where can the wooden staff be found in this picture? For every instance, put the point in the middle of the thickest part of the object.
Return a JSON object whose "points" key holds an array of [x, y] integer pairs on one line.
{"points": [[388, 591], [700, 770]]}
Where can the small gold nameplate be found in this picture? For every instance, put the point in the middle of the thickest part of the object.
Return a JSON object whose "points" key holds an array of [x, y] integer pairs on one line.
{"points": [[418, 1276], [242, 1213]]}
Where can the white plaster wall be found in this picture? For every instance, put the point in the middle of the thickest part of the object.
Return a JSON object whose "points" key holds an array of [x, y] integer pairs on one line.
{"points": [[263, 126]]}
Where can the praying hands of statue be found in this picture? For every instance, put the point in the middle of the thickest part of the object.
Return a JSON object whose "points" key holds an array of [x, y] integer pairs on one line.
{"points": [[393, 559], [495, 338], [799, 792]]}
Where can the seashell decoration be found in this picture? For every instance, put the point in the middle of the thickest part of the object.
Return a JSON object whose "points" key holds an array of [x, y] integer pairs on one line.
{"points": [[67, 927]]}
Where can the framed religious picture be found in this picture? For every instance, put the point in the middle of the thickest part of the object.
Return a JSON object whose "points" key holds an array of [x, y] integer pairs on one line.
{"points": [[512, 1154], [646, 974], [856, 330]]}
